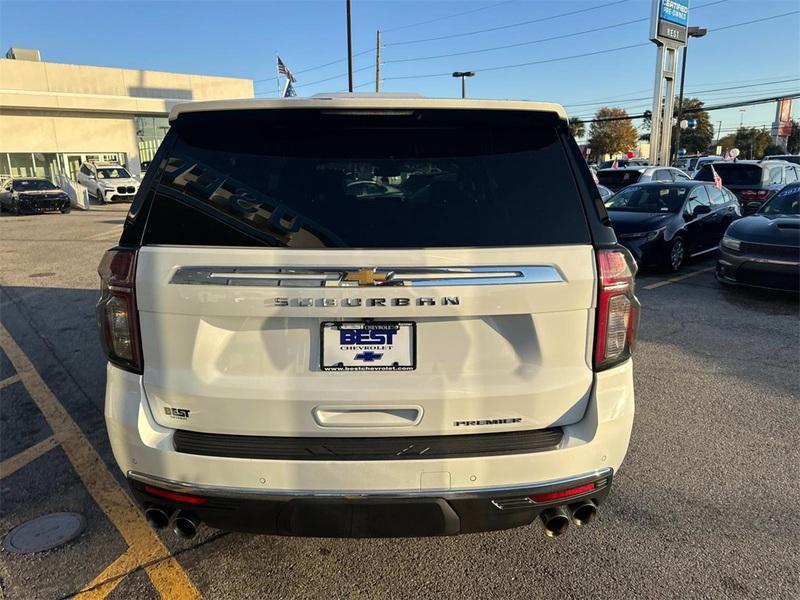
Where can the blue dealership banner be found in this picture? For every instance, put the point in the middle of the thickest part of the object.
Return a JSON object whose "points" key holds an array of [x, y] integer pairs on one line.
{"points": [[675, 11]]}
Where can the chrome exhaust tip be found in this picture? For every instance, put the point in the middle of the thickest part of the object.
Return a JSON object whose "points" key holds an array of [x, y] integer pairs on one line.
{"points": [[584, 512], [555, 521], [157, 517], [185, 525]]}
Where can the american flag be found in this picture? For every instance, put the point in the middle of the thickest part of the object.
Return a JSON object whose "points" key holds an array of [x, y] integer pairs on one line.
{"points": [[284, 70], [615, 165], [717, 178]]}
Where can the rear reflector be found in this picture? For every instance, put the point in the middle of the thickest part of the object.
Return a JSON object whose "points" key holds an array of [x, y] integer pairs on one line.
{"points": [[616, 308], [174, 496], [568, 493]]}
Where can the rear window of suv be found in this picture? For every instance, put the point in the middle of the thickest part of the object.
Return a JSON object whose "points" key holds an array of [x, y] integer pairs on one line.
{"points": [[344, 179], [732, 173], [618, 177]]}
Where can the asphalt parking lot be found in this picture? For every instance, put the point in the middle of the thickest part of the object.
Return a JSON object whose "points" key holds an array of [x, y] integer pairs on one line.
{"points": [[704, 506]]}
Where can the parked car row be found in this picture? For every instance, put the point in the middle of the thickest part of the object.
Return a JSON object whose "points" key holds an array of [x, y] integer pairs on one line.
{"points": [[106, 182], [664, 224]]}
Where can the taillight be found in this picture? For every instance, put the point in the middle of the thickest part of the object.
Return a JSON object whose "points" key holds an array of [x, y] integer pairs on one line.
{"points": [[754, 194], [616, 308], [117, 315]]}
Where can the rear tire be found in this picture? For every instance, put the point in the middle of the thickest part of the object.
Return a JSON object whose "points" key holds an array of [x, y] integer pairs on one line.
{"points": [[65, 210], [676, 255]]}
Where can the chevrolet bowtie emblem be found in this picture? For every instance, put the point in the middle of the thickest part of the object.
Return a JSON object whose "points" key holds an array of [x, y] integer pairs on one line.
{"points": [[367, 277]]}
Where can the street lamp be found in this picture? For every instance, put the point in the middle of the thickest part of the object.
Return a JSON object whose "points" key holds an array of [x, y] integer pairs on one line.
{"points": [[691, 32], [464, 75]]}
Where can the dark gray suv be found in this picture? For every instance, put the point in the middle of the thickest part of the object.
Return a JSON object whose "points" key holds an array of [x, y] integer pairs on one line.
{"points": [[752, 182]]}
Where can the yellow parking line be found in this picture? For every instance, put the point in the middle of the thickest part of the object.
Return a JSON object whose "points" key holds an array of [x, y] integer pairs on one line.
{"points": [[114, 232], [9, 380], [167, 576], [16, 462], [658, 284], [105, 583]]}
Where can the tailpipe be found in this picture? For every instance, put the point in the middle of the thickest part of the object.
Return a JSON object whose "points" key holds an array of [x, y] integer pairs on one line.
{"points": [[584, 512], [555, 521], [157, 517], [185, 525]]}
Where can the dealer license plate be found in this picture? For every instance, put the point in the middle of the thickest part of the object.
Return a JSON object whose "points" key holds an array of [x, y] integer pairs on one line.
{"points": [[368, 346]]}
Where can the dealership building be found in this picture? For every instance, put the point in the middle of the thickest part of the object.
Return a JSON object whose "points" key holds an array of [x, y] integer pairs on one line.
{"points": [[53, 116]]}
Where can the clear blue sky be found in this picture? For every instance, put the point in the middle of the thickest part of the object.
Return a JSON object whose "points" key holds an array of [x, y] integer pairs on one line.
{"points": [[241, 39]]}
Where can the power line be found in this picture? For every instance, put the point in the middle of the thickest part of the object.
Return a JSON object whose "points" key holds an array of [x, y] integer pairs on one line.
{"points": [[539, 41], [466, 12], [526, 64], [508, 26], [751, 102], [518, 44], [585, 54], [694, 92]]}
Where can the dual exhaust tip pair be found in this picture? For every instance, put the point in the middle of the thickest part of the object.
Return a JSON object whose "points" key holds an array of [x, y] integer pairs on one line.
{"points": [[556, 520], [184, 523]]}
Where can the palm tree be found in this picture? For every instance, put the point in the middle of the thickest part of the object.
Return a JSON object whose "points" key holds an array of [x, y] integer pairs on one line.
{"points": [[576, 127]]}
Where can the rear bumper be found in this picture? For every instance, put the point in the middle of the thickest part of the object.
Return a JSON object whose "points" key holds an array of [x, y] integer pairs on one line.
{"points": [[370, 515], [758, 271], [436, 496]]}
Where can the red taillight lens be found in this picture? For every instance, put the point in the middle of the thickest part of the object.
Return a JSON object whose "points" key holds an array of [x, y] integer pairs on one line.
{"points": [[116, 311], [568, 493], [616, 308], [174, 496], [754, 194]]}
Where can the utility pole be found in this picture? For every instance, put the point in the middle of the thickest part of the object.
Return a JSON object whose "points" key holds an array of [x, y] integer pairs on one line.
{"points": [[378, 61], [719, 132], [349, 51]]}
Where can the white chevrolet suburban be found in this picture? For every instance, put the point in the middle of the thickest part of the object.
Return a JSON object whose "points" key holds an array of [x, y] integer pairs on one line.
{"points": [[289, 356]]}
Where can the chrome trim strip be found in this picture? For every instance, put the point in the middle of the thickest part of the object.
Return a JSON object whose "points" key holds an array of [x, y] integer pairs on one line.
{"points": [[209, 490], [377, 276]]}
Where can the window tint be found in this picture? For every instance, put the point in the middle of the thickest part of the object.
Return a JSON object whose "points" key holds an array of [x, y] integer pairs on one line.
{"points": [[648, 199], [733, 173], [716, 196], [616, 178], [698, 197], [311, 179], [662, 175]]}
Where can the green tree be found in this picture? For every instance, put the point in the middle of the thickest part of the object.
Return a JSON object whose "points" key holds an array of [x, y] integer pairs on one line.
{"points": [[751, 142], [727, 142], [576, 127], [793, 146], [612, 136], [773, 149], [695, 140]]}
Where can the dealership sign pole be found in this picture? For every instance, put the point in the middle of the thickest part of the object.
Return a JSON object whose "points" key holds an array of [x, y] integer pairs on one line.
{"points": [[668, 30]]}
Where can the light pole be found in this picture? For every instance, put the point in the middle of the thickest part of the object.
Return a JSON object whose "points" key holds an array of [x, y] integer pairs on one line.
{"points": [[691, 32], [349, 50], [464, 75]]}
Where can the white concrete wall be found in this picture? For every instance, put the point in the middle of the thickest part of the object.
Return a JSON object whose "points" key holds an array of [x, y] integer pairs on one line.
{"points": [[52, 107]]}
